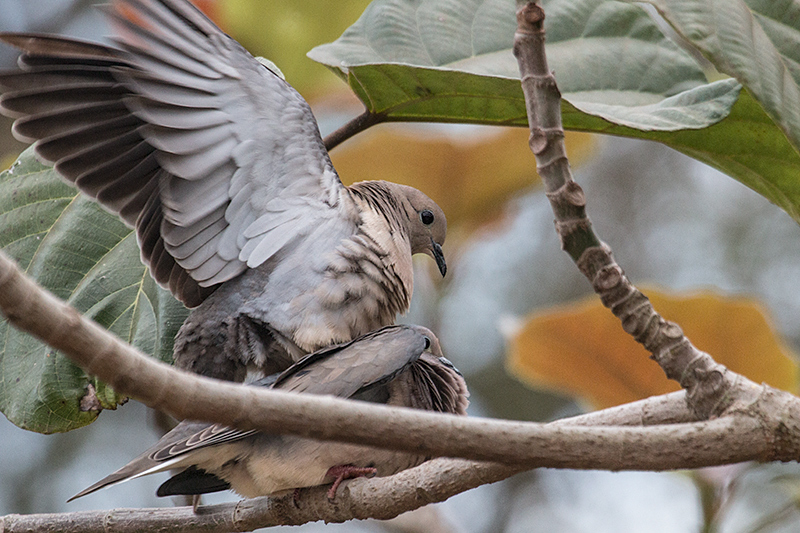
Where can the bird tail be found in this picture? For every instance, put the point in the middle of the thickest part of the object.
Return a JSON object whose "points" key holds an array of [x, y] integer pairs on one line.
{"points": [[126, 473]]}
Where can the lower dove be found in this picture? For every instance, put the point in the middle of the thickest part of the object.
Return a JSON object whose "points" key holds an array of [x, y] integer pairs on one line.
{"points": [[219, 166], [397, 365]]}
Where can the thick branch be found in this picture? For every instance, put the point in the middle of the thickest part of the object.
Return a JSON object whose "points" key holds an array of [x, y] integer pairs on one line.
{"points": [[434, 481], [186, 395], [363, 121], [709, 385]]}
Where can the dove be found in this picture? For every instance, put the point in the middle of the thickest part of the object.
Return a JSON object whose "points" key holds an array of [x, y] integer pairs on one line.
{"points": [[396, 365], [219, 165]]}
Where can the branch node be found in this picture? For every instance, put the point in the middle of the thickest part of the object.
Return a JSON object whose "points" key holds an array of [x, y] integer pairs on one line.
{"points": [[608, 278], [532, 14], [671, 330], [537, 141]]}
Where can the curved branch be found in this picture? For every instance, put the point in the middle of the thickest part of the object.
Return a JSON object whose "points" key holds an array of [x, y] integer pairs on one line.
{"points": [[709, 385], [184, 395], [434, 481], [355, 126]]}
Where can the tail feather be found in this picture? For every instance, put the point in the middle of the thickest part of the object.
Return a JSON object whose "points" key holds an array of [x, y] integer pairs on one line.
{"points": [[143, 467]]}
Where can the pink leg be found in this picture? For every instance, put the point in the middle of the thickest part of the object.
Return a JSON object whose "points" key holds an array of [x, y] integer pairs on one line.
{"points": [[342, 472]]}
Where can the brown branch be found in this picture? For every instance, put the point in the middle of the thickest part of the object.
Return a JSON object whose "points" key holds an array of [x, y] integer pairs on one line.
{"points": [[185, 395], [381, 498], [760, 423], [434, 481], [766, 430], [363, 121], [711, 387]]}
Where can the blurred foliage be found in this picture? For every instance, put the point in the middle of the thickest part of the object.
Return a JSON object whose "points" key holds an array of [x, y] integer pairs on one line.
{"points": [[470, 174], [285, 30], [582, 350]]}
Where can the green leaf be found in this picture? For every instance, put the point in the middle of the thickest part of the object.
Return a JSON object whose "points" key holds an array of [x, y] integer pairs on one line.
{"points": [[451, 61], [758, 43], [86, 256]]}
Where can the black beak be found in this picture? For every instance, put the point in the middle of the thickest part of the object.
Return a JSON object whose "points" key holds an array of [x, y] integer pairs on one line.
{"points": [[438, 255]]}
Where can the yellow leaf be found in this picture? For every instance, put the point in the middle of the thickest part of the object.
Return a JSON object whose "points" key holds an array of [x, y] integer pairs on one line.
{"points": [[470, 175], [581, 349], [284, 30]]}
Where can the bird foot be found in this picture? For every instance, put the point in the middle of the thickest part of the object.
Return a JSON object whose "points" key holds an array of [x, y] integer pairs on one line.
{"points": [[342, 472]]}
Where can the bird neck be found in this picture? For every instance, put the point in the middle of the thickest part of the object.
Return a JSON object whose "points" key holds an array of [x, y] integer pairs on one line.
{"points": [[381, 231]]}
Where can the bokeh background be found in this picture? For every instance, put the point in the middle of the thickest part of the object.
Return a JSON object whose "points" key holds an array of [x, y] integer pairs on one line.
{"points": [[512, 312]]}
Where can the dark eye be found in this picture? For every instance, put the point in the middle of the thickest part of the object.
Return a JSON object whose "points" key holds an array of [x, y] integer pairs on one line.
{"points": [[427, 340], [426, 217]]}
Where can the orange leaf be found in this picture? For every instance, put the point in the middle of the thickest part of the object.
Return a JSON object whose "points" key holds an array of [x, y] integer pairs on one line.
{"points": [[582, 350], [470, 175]]}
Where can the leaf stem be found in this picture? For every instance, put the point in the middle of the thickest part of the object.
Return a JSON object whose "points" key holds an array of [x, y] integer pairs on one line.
{"points": [[355, 126]]}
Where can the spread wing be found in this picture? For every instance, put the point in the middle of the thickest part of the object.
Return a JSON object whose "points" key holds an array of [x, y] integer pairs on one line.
{"points": [[214, 159]]}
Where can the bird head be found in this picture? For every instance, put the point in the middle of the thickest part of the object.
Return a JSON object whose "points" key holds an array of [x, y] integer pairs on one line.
{"points": [[427, 226], [412, 211]]}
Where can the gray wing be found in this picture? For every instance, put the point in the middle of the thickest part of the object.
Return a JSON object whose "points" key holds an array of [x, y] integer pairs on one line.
{"points": [[215, 160], [365, 362], [154, 456], [343, 370]]}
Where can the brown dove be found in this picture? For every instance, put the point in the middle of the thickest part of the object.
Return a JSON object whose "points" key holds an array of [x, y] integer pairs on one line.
{"points": [[219, 166], [397, 365]]}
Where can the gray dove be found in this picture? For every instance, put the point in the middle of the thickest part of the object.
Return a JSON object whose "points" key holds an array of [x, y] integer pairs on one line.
{"points": [[219, 166], [396, 365]]}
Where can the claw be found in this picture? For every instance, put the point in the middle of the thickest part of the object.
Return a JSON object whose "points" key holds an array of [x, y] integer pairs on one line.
{"points": [[343, 472]]}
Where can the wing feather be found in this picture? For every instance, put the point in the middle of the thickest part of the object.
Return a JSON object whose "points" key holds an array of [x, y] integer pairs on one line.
{"points": [[182, 133]]}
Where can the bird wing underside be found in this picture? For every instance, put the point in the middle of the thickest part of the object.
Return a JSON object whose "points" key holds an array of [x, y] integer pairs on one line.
{"points": [[215, 160]]}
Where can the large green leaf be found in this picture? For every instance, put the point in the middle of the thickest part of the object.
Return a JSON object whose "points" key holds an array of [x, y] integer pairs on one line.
{"points": [[758, 43], [89, 258], [451, 61]]}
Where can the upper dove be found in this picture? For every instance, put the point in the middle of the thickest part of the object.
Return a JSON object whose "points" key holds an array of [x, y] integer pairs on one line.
{"points": [[220, 167], [397, 365]]}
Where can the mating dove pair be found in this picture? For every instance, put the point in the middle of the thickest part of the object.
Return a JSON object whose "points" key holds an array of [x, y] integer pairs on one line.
{"points": [[219, 165]]}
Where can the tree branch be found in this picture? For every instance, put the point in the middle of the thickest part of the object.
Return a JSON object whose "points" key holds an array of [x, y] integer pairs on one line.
{"points": [[711, 387], [434, 481], [186, 395], [766, 430], [760, 423], [363, 121]]}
